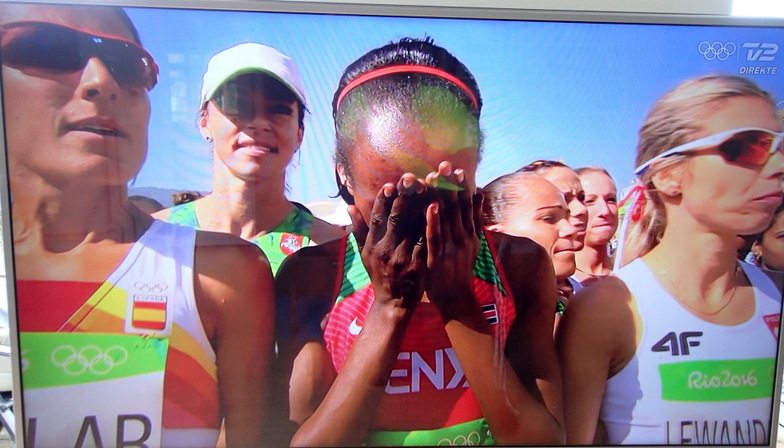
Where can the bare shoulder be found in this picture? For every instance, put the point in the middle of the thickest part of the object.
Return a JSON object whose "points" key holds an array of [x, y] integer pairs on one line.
{"points": [[604, 296], [604, 313], [225, 247], [323, 231], [519, 252], [233, 279], [304, 292], [311, 271], [527, 267]]}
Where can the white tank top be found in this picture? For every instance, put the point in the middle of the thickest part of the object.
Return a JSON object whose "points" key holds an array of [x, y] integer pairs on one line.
{"points": [[99, 381], [692, 381]]}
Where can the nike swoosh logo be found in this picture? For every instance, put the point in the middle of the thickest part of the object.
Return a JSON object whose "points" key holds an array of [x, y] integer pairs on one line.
{"points": [[354, 328]]}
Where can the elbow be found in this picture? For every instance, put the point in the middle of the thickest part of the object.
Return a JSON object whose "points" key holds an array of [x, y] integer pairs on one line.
{"points": [[548, 433], [304, 438]]}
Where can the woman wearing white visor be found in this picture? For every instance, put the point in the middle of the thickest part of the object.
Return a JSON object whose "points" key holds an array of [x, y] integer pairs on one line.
{"points": [[252, 112]]}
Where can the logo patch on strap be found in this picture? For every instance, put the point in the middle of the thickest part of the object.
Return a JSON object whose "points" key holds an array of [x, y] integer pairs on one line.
{"points": [[773, 321], [290, 243], [149, 307], [490, 312]]}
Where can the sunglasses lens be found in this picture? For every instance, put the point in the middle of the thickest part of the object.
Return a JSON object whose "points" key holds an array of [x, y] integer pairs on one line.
{"points": [[61, 49], [747, 147], [232, 103], [129, 65], [46, 47]]}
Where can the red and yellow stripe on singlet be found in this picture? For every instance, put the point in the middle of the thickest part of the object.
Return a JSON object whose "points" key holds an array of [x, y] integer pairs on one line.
{"points": [[189, 390]]}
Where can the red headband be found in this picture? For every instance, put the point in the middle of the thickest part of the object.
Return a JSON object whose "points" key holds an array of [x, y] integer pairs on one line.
{"points": [[409, 68]]}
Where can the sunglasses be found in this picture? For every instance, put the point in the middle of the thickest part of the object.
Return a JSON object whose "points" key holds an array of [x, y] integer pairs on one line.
{"points": [[237, 97], [59, 48], [749, 146]]}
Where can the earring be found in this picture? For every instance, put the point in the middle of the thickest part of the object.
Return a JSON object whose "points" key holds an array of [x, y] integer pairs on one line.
{"points": [[208, 138]]}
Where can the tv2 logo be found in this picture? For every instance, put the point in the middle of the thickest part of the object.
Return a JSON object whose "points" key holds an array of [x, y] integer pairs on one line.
{"points": [[677, 344], [761, 52]]}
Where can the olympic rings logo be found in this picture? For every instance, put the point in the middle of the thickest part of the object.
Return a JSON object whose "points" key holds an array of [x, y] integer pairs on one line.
{"points": [[472, 439], [151, 287], [90, 357], [717, 50]]}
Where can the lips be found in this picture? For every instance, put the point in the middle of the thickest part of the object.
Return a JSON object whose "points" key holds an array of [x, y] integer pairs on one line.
{"points": [[97, 125], [772, 197], [253, 146]]}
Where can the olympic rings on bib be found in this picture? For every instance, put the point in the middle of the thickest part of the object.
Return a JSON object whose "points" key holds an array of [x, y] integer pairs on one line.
{"points": [[89, 357]]}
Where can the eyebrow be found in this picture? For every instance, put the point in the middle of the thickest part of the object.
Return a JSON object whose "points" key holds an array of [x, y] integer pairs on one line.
{"points": [[547, 207]]}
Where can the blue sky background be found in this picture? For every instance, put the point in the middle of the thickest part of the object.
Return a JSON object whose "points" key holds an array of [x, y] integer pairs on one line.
{"points": [[577, 92]]}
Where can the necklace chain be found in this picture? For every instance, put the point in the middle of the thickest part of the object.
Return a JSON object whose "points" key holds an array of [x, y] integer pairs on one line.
{"points": [[704, 313]]}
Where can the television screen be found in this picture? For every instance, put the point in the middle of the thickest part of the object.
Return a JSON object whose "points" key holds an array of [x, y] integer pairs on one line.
{"points": [[270, 120]]}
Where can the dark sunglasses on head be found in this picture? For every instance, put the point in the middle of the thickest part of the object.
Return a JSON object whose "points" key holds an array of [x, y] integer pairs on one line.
{"points": [[749, 146], [59, 48]]}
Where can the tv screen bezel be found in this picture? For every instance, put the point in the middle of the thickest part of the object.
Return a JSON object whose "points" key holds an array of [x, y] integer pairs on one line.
{"points": [[510, 14]]}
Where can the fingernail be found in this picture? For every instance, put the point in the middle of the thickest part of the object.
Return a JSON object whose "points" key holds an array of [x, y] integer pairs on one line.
{"points": [[460, 174], [388, 190], [408, 182], [435, 208]]}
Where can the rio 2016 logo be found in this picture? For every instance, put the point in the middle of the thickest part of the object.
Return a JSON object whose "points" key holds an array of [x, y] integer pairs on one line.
{"points": [[749, 51]]}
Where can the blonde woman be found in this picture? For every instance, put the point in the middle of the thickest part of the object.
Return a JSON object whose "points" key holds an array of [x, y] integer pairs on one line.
{"points": [[679, 346], [594, 261]]}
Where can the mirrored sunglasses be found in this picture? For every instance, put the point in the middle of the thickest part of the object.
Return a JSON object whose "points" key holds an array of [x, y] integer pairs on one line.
{"points": [[58, 48], [748, 146]]}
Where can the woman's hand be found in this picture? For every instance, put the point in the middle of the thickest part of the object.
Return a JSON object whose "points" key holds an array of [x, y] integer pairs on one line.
{"points": [[452, 232], [393, 244]]}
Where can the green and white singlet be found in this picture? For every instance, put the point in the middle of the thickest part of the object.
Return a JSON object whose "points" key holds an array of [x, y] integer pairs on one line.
{"points": [[292, 234]]}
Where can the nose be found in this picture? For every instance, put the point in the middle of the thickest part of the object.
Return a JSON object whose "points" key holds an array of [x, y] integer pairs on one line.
{"points": [[775, 166], [578, 211], [97, 82], [258, 118], [603, 208], [567, 229]]}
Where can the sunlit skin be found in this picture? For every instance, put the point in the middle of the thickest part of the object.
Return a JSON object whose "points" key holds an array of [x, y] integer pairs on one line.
{"points": [[74, 141], [745, 205], [69, 110], [253, 145], [601, 200], [390, 144], [695, 260], [253, 148], [540, 213], [566, 180]]}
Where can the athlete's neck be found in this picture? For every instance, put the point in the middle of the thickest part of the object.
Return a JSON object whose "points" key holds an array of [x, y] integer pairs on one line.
{"points": [[240, 213], [60, 219], [701, 264], [593, 261]]}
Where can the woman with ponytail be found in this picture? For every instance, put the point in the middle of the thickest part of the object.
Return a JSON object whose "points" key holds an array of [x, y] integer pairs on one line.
{"points": [[646, 352]]}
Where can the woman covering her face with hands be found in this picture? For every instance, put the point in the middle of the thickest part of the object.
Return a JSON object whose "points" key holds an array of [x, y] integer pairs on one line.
{"points": [[418, 302]]}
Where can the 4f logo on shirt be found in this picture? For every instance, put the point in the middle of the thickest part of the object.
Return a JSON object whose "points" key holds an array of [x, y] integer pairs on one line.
{"points": [[677, 344]]}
